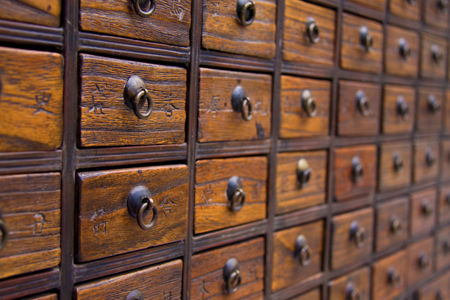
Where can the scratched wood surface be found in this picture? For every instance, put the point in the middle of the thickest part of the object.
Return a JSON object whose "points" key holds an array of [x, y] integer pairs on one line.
{"points": [[105, 120], [438, 285], [43, 297], [428, 121], [41, 12], [435, 16], [157, 282], [217, 121], [311, 295], [379, 5], [405, 9], [392, 121], [106, 228], [223, 32], [297, 46], [442, 251], [287, 268], [429, 68], [295, 122], [444, 204], [360, 279], [394, 62], [207, 280], [381, 287], [417, 273], [388, 176], [169, 23], [212, 209], [420, 222], [397, 209], [422, 171], [445, 159], [31, 96], [30, 208]]}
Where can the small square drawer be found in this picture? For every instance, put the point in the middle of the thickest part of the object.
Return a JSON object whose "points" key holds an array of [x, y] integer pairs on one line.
{"points": [[447, 110], [444, 204], [443, 248], [301, 180], [362, 44], [305, 107], [438, 289], [242, 27], [426, 160], [167, 22], [359, 108], [389, 276], [401, 52], [398, 109], [422, 213], [311, 295], [131, 103], [392, 220], [47, 13], [229, 192], [30, 223], [429, 109], [352, 237], [376, 4], [355, 285], [354, 172], [298, 254], [433, 55], [130, 209], [309, 34], [419, 260], [234, 106], [436, 13], [231, 272], [409, 10], [445, 159], [395, 165], [157, 282]]}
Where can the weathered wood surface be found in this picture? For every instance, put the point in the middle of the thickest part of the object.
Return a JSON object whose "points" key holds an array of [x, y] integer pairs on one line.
{"points": [[416, 273], [428, 121], [394, 62], [423, 171], [429, 68], [311, 295], [434, 15], [360, 280], [406, 10], [43, 297], [392, 121], [396, 209], [444, 204], [419, 221], [388, 176], [381, 287], [41, 12], [442, 250]]}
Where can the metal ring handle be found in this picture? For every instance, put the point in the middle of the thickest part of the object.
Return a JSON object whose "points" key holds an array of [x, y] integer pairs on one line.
{"points": [[429, 158], [396, 226], [433, 104], [133, 93], [4, 234], [302, 250], [137, 100], [357, 234], [232, 275], [309, 103], [366, 38], [423, 260], [398, 162], [402, 107], [303, 172], [246, 11], [352, 292], [246, 109], [405, 49], [393, 277], [235, 204], [427, 208], [357, 169], [147, 204], [312, 29], [138, 8], [437, 54]]}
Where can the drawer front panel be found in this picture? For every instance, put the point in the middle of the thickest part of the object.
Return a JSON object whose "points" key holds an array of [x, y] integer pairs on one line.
{"points": [[311, 295], [399, 109], [395, 165], [398, 60], [426, 160], [429, 109], [47, 13], [436, 289], [356, 283], [389, 276], [422, 213], [406, 9], [392, 222], [444, 204], [433, 56], [435, 15], [420, 260], [445, 159], [443, 248]]}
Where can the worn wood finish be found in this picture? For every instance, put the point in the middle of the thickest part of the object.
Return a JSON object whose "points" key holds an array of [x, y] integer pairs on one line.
{"points": [[444, 204], [360, 281], [297, 46], [445, 159], [414, 253], [439, 286], [422, 170], [344, 186], [169, 23], [442, 249], [105, 120], [394, 62], [434, 15], [382, 288], [106, 228], [405, 9], [429, 68], [217, 121], [344, 249], [392, 121], [390, 177], [353, 54], [44, 297], [386, 213], [157, 282], [30, 208], [31, 91], [419, 221], [207, 280], [428, 120], [287, 268], [311, 295], [40, 12], [295, 121]]}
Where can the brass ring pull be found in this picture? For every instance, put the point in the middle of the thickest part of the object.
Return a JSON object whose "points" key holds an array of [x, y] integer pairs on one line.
{"points": [[139, 203], [405, 49], [241, 103], [147, 204], [362, 103], [246, 11], [429, 158], [235, 194], [135, 295], [135, 91], [433, 104], [366, 38], [398, 162], [140, 5], [309, 103], [302, 250], [3, 234], [357, 169], [303, 172], [232, 275], [446, 247], [357, 234], [427, 208], [402, 107], [393, 277], [246, 109], [423, 260], [352, 292], [437, 54], [396, 226], [442, 4], [312, 29]]}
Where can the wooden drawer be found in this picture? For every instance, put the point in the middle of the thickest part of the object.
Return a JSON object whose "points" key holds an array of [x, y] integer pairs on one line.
{"points": [[311, 295], [445, 159], [356, 52], [395, 165], [309, 33], [377, 4], [355, 285], [298, 254], [392, 222], [401, 52], [433, 56], [305, 107], [429, 110], [420, 260], [435, 290], [229, 192], [301, 180], [169, 23], [212, 270], [108, 222], [218, 121], [43, 297], [389, 276], [47, 13], [354, 172], [406, 9], [436, 13], [359, 108], [444, 205], [443, 248], [398, 109], [223, 30], [30, 223], [422, 213], [158, 282], [352, 237], [107, 120], [426, 160], [31, 100]]}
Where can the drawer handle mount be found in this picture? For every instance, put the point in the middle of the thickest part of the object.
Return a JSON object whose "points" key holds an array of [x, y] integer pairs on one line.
{"points": [[302, 250], [405, 49], [393, 277], [3, 234], [352, 292], [357, 169], [396, 225], [139, 204], [134, 94], [235, 194], [232, 275], [402, 107], [246, 11], [446, 247], [429, 157], [423, 260], [312, 29], [437, 54], [309, 103], [442, 4], [303, 172], [433, 104], [362, 103], [357, 234], [141, 5], [398, 162], [135, 295], [366, 38], [241, 103], [427, 208]]}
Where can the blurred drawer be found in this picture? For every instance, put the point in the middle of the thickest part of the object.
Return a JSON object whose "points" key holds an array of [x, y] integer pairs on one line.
{"points": [[444, 204], [406, 9], [429, 109], [422, 213], [445, 159], [433, 56], [438, 289], [398, 109], [379, 5], [311, 295], [116, 215], [443, 248], [391, 223], [355, 285], [395, 165], [47, 13], [426, 160], [389, 276], [401, 52], [436, 13], [420, 260]]}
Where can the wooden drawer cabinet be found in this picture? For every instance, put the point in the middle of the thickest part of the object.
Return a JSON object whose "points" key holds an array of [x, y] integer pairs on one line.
{"points": [[433, 56], [398, 109], [422, 211], [401, 52], [426, 160], [355, 285], [420, 260], [47, 13], [389, 276], [395, 165]]}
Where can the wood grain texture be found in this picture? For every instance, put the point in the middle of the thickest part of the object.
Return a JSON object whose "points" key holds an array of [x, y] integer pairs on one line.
{"points": [[445, 159], [105, 120], [353, 55], [422, 171], [447, 110], [359, 279], [405, 10], [382, 288], [413, 254], [290, 194], [157, 282], [397, 209], [41, 12], [295, 122], [344, 187], [392, 121], [429, 68], [379, 5], [297, 46], [31, 97], [43, 297], [434, 16], [419, 221], [351, 121], [207, 271], [439, 285], [30, 208], [106, 228], [394, 62], [287, 268], [344, 249], [442, 253], [388, 176], [428, 121], [212, 209], [217, 121], [311, 295], [444, 204], [169, 23]]}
